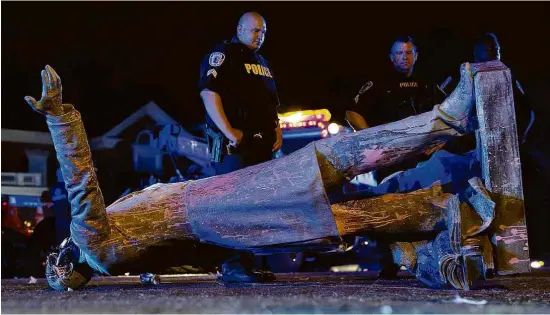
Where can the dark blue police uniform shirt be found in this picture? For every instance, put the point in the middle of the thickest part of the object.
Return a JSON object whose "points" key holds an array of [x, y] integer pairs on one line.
{"points": [[391, 99], [395, 98], [246, 85]]}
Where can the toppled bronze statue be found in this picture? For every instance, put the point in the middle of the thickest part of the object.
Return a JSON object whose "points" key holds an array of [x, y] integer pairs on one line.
{"points": [[277, 206]]}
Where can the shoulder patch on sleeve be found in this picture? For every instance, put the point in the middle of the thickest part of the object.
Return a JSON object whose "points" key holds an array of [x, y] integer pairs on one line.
{"points": [[367, 86], [212, 72], [216, 59]]}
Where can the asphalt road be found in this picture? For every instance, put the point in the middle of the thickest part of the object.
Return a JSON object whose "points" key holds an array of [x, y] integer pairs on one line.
{"points": [[358, 292]]}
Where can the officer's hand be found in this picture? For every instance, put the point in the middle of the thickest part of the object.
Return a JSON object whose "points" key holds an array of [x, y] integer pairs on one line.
{"points": [[51, 102], [278, 139], [235, 137]]}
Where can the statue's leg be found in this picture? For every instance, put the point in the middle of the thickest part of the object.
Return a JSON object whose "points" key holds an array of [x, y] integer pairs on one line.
{"points": [[353, 154], [393, 221], [452, 170], [461, 252], [420, 211]]}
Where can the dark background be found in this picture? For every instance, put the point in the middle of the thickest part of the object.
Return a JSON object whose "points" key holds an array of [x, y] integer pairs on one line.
{"points": [[114, 57]]}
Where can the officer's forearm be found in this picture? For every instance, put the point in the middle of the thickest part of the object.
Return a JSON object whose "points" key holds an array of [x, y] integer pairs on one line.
{"points": [[214, 108], [356, 121]]}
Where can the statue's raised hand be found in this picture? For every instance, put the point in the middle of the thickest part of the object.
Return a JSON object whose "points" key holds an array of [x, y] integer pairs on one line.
{"points": [[51, 102]]}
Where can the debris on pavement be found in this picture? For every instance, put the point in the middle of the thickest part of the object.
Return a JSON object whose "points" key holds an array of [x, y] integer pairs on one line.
{"points": [[459, 300], [149, 278], [386, 309]]}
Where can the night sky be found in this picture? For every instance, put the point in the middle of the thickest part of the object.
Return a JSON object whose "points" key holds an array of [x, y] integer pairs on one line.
{"points": [[114, 57]]}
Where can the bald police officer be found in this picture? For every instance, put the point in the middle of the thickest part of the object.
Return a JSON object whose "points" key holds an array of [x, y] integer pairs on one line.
{"points": [[238, 89]]}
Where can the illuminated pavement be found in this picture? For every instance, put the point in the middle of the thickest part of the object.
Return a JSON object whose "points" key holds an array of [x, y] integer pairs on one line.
{"points": [[292, 293]]}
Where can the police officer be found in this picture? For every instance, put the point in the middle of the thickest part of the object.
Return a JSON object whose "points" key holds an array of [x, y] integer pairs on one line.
{"points": [[402, 94], [487, 48], [238, 89]]}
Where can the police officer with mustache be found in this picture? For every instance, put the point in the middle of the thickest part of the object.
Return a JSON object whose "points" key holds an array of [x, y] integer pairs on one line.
{"points": [[238, 90], [237, 87]]}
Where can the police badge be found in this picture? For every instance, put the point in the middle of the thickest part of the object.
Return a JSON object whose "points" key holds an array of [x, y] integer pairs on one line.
{"points": [[216, 59]]}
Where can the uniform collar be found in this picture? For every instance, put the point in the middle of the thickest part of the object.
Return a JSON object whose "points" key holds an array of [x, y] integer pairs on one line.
{"points": [[235, 40], [243, 47], [403, 77]]}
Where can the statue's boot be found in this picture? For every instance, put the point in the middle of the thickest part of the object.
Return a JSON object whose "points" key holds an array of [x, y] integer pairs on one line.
{"points": [[459, 255], [350, 155]]}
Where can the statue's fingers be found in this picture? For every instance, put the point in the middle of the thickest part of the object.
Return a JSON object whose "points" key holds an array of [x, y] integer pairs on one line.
{"points": [[56, 80], [51, 83], [32, 102], [45, 83]]}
